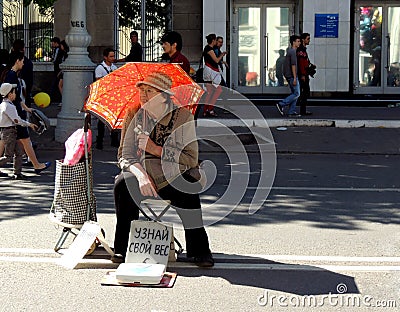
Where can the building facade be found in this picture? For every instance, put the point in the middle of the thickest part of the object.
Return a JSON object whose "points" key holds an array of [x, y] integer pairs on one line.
{"points": [[355, 44]]}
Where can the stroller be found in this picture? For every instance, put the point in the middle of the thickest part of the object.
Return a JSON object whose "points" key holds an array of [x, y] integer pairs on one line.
{"points": [[74, 202]]}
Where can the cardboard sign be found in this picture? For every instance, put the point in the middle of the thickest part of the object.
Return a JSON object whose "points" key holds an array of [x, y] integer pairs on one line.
{"points": [[149, 242], [85, 238]]}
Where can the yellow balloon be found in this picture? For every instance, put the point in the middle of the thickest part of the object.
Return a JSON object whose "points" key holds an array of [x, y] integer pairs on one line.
{"points": [[42, 99]]}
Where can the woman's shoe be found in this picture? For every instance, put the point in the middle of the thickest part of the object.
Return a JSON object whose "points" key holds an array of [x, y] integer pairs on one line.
{"points": [[117, 258], [206, 261], [47, 165], [19, 176]]}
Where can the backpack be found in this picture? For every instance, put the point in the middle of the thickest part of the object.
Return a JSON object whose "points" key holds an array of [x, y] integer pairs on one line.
{"points": [[94, 72]]}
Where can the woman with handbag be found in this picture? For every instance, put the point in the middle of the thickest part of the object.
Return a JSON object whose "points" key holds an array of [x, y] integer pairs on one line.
{"points": [[158, 148], [211, 75]]}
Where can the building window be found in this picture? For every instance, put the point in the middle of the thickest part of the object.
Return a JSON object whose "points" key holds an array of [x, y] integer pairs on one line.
{"points": [[244, 16]]}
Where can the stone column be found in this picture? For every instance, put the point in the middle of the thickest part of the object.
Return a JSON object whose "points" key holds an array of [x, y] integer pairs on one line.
{"points": [[78, 73]]}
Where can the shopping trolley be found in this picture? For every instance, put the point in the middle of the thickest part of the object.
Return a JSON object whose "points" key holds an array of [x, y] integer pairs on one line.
{"points": [[74, 202]]}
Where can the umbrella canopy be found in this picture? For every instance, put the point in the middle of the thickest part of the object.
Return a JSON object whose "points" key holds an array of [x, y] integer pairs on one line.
{"points": [[111, 96]]}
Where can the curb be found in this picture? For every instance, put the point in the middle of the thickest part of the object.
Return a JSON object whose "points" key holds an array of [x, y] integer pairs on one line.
{"points": [[274, 123], [287, 122]]}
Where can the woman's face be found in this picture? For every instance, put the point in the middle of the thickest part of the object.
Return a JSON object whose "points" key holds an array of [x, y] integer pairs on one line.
{"points": [[146, 93], [151, 100]]}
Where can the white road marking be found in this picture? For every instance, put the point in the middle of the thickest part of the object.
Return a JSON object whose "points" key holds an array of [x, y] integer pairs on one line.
{"points": [[27, 251], [291, 267], [335, 189], [308, 258], [365, 264]]}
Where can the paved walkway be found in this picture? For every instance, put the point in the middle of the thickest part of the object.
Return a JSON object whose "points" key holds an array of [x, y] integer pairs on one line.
{"points": [[268, 115], [323, 116]]}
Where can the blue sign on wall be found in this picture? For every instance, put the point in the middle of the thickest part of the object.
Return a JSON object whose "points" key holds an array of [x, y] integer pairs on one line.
{"points": [[326, 26]]}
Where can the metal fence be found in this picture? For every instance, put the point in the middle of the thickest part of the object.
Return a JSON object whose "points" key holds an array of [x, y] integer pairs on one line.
{"points": [[30, 24], [151, 44]]}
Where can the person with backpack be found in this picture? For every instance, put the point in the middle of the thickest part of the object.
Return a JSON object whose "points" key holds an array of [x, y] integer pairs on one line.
{"points": [[103, 69]]}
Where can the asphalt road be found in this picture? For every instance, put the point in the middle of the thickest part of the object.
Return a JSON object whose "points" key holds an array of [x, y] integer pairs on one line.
{"points": [[326, 239]]}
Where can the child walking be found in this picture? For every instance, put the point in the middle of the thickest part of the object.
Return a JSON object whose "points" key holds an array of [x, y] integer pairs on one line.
{"points": [[9, 119]]}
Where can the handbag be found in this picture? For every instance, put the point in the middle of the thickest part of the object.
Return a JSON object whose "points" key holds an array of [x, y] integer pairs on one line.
{"points": [[70, 203], [75, 146], [311, 69]]}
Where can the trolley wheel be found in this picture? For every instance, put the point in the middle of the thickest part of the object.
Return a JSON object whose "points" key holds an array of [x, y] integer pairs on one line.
{"points": [[98, 243], [92, 248]]}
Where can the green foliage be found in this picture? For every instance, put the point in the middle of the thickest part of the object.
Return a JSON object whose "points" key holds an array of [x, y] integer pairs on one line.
{"points": [[43, 4], [157, 13], [129, 12]]}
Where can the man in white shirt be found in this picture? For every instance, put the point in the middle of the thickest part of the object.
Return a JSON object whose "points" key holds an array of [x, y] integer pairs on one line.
{"points": [[103, 69]]}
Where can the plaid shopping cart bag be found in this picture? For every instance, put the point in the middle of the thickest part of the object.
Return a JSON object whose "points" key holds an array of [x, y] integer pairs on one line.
{"points": [[70, 204]]}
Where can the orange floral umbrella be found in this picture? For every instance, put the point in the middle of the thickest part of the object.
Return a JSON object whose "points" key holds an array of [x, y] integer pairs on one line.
{"points": [[111, 96]]}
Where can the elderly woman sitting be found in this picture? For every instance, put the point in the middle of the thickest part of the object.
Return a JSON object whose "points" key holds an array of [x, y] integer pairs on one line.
{"points": [[158, 148]]}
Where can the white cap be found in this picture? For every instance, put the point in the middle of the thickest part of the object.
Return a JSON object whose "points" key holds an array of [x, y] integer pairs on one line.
{"points": [[6, 88]]}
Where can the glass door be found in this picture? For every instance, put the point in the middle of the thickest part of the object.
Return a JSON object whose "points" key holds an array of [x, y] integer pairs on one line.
{"points": [[392, 67], [377, 49], [260, 36]]}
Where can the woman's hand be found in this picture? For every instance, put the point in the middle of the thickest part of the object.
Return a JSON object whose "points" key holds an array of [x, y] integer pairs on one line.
{"points": [[146, 144], [146, 185]]}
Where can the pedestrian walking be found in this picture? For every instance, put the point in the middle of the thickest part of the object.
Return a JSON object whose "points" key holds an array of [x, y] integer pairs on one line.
{"points": [[218, 52], [64, 49], [56, 58], [9, 119], [303, 63], [211, 75], [16, 63], [279, 65], [290, 73], [26, 72]]}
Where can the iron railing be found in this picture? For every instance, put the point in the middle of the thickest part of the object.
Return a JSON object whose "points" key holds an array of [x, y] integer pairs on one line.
{"points": [[30, 24], [152, 49]]}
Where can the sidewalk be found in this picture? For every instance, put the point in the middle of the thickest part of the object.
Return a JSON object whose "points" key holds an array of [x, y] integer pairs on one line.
{"points": [[323, 116]]}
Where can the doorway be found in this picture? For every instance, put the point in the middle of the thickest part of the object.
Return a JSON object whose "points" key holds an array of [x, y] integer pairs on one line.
{"points": [[377, 48], [260, 35]]}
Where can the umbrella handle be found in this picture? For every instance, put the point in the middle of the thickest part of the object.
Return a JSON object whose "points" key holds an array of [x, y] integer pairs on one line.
{"points": [[87, 121]]}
